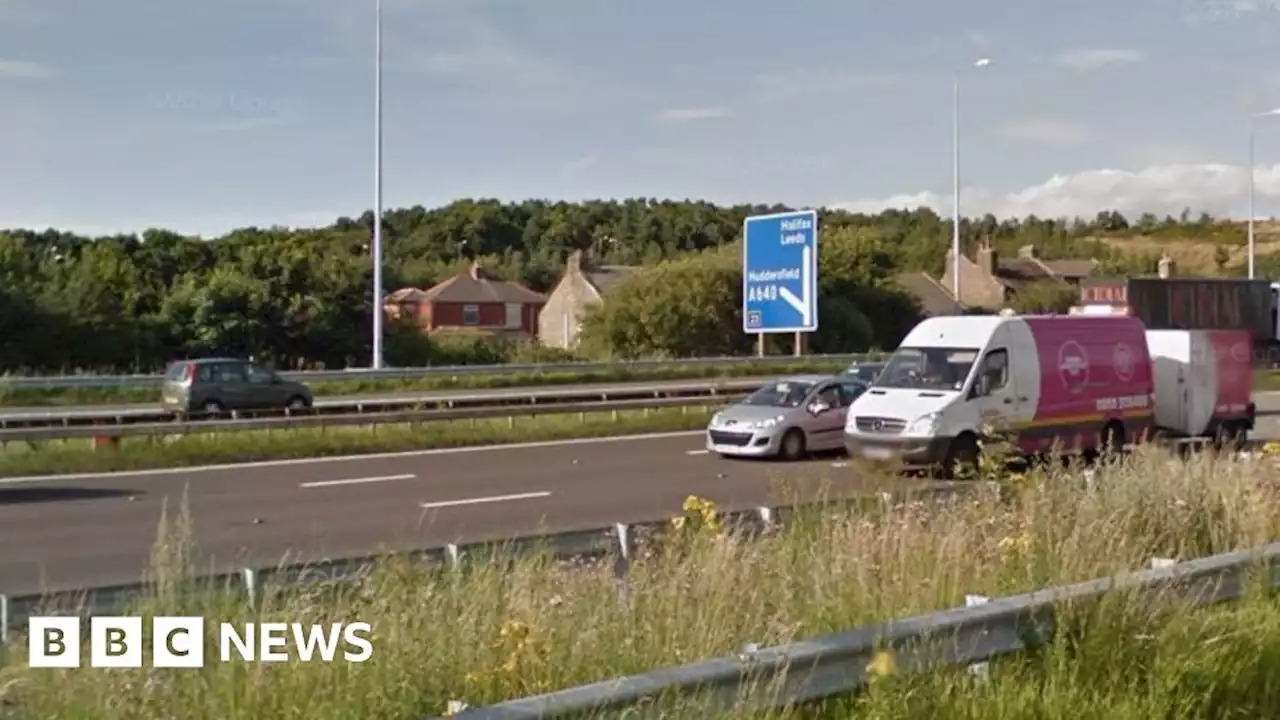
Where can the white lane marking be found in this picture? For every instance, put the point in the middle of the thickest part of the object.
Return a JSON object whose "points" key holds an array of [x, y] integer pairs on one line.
{"points": [[348, 458], [356, 481], [840, 464], [482, 500], [697, 452]]}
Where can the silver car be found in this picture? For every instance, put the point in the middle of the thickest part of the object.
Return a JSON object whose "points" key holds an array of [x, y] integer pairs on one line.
{"points": [[787, 418]]}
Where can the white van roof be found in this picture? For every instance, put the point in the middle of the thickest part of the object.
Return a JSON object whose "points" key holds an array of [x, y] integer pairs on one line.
{"points": [[955, 331]]}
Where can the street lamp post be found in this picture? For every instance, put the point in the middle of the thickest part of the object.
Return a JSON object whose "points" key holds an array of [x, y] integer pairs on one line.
{"points": [[955, 178], [1252, 121], [377, 190]]}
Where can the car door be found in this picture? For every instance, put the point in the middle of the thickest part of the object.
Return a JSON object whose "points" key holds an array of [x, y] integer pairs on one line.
{"points": [[263, 390], [825, 429], [233, 385]]}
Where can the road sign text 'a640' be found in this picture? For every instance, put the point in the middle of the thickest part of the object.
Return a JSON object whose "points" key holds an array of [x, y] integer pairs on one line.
{"points": [[780, 273]]}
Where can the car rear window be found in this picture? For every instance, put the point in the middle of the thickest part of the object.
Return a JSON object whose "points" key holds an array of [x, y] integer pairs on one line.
{"points": [[175, 372]]}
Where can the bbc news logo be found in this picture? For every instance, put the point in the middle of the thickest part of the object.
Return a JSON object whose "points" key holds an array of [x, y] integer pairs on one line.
{"points": [[179, 642]]}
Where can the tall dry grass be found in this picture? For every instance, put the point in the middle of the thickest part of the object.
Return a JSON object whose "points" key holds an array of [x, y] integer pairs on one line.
{"points": [[495, 631]]}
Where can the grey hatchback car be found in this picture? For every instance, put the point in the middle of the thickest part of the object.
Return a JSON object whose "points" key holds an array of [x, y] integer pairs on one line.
{"points": [[216, 385]]}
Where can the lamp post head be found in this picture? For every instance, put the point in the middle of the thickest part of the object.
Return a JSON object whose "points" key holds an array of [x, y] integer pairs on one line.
{"points": [[983, 62]]}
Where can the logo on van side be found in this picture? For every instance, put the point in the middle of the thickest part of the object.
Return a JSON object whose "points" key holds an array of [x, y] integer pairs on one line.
{"points": [[1073, 366], [1122, 361]]}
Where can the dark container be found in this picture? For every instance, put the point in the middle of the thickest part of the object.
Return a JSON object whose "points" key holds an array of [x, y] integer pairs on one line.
{"points": [[1190, 303]]}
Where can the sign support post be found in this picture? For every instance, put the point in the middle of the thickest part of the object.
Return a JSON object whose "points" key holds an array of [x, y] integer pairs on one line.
{"points": [[780, 276]]}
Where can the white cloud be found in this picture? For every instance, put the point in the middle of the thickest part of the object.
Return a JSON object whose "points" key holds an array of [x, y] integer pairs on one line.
{"points": [[1047, 130], [693, 114], [1220, 190], [1088, 59], [24, 70]]}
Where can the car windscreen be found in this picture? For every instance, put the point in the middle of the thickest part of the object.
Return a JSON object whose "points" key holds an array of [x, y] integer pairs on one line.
{"points": [[176, 372], [933, 368], [788, 393]]}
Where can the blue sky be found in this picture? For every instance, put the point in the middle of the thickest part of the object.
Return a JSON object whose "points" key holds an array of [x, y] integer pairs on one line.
{"points": [[203, 116]]}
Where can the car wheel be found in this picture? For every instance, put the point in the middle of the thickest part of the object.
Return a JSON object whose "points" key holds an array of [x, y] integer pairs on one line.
{"points": [[297, 404], [962, 457], [212, 408], [792, 447]]}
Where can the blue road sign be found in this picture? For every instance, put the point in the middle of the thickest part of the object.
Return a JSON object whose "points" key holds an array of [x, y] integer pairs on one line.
{"points": [[780, 273]]}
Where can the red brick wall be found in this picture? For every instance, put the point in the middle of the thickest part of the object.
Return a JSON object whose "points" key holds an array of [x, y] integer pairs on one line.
{"points": [[492, 315]]}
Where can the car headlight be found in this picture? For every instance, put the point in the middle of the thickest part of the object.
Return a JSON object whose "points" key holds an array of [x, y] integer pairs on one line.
{"points": [[763, 424], [924, 425], [715, 419]]}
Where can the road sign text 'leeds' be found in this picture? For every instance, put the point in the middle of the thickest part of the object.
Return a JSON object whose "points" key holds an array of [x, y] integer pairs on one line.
{"points": [[780, 273]]}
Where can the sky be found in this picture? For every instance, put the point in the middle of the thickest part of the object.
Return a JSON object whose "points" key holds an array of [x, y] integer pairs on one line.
{"points": [[201, 117]]}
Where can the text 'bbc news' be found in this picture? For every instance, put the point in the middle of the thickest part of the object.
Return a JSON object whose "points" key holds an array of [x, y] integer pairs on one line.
{"points": [[179, 642]]}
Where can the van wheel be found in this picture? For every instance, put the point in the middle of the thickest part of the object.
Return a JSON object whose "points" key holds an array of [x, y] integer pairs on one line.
{"points": [[962, 456], [1112, 439], [792, 445]]}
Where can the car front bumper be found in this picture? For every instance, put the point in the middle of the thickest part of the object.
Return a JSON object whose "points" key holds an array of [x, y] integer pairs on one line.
{"points": [[908, 450], [756, 442]]}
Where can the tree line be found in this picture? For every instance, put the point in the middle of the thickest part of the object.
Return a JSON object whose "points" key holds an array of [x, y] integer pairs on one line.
{"points": [[301, 298]]}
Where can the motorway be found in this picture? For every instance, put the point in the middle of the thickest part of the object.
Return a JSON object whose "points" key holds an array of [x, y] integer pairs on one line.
{"points": [[99, 529], [402, 398], [77, 530]]}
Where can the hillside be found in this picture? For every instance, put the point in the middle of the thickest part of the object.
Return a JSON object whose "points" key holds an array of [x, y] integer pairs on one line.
{"points": [[1197, 252]]}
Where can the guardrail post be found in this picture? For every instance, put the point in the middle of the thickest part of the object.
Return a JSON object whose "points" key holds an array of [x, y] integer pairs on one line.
{"points": [[1160, 562], [622, 536], [251, 586], [979, 671], [767, 519], [455, 559], [4, 624]]}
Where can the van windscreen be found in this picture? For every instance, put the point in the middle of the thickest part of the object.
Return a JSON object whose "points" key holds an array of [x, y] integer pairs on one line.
{"points": [[933, 368]]}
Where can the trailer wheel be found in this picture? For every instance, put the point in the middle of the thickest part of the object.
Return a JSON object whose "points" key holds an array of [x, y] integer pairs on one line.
{"points": [[1232, 437]]}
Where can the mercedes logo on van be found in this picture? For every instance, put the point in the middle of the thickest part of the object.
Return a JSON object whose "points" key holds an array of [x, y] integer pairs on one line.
{"points": [[877, 425]]}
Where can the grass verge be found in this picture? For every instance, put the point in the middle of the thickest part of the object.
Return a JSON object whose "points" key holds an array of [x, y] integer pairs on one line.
{"points": [[75, 456], [501, 630], [41, 397]]}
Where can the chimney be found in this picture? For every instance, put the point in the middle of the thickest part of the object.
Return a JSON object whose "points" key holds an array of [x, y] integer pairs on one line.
{"points": [[1167, 267], [988, 259], [1027, 252], [477, 271], [574, 263]]}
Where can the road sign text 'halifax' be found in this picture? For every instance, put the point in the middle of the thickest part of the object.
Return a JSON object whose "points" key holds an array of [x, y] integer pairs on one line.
{"points": [[780, 273]]}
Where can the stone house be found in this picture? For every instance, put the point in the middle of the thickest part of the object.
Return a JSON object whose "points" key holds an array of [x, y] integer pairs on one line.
{"points": [[989, 282], [583, 286]]}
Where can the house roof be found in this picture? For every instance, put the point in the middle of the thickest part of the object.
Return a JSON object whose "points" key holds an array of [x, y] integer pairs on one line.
{"points": [[606, 277], [473, 286], [933, 297], [407, 294]]}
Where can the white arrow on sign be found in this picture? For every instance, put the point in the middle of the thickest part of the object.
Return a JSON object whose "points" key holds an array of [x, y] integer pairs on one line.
{"points": [[801, 304]]}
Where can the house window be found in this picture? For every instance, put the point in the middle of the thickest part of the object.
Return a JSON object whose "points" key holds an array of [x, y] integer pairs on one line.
{"points": [[470, 314], [514, 316]]}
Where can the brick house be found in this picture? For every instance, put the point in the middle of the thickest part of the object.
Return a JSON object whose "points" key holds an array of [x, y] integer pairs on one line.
{"points": [[470, 301], [989, 282], [583, 286]]}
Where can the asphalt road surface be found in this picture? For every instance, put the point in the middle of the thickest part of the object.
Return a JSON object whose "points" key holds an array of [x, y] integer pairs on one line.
{"points": [[79, 530], [19, 413], [84, 530]]}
